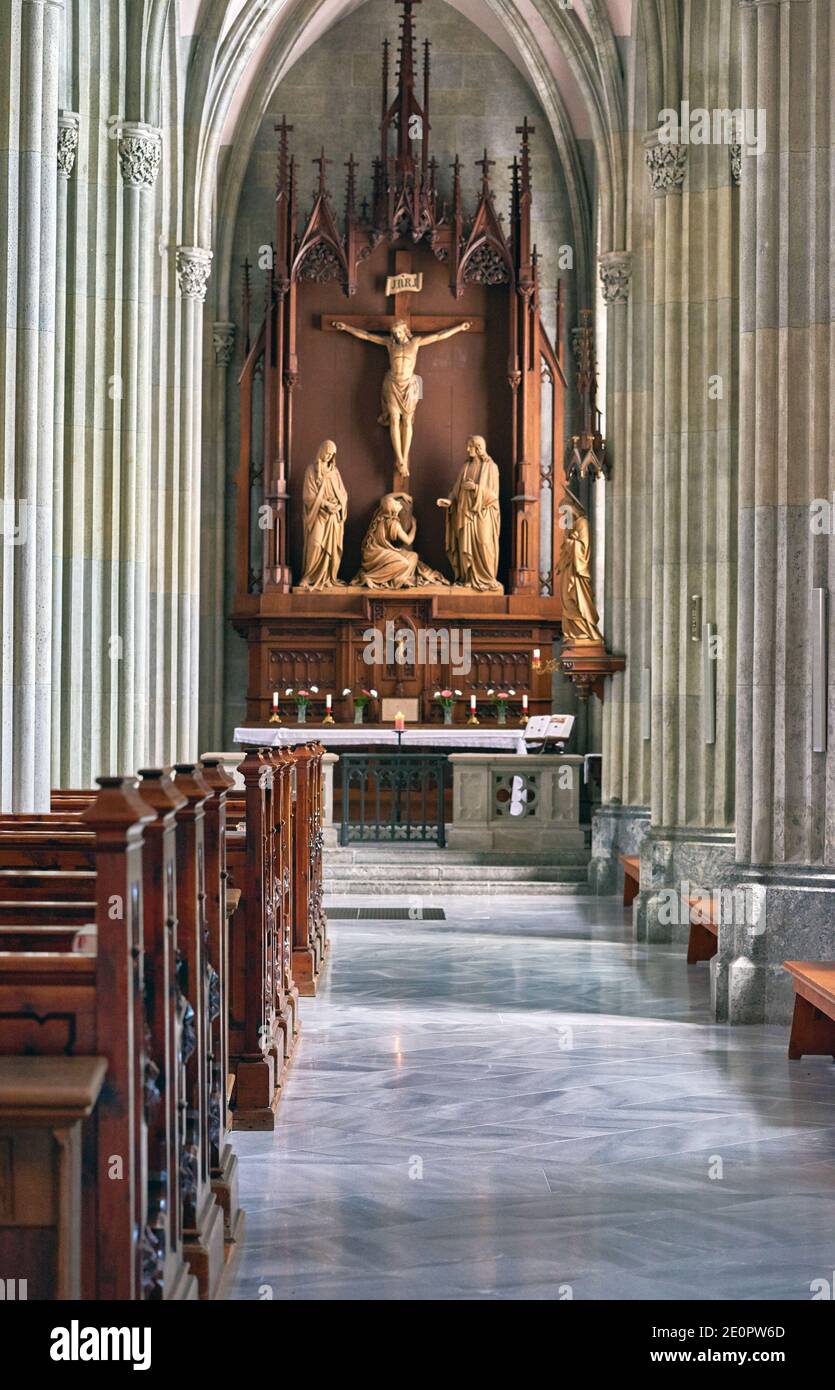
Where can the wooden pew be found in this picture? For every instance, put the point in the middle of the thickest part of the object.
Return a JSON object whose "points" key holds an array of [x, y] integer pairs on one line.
{"points": [[87, 1005], [703, 941], [256, 1043], [44, 1102], [169, 1013], [223, 1163], [813, 1024], [631, 877], [310, 938], [195, 1219]]}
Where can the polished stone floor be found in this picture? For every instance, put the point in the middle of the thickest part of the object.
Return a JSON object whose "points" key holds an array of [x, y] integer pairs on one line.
{"points": [[520, 1103]]}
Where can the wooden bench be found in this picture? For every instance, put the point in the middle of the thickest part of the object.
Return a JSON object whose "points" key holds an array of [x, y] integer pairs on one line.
{"points": [[173, 1104], [44, 1102], [703, 942], [263, 1016], [186, 914], [310, 937], [813, 1024], [72, 1004], [631, 877]]}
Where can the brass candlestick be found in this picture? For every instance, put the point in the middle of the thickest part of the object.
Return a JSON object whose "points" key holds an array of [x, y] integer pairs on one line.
{"points": [[275, 717]]}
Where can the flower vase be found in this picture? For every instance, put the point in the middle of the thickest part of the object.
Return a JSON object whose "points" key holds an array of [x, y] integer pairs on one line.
{"points": [[502, 714], [359, 710], [448, 715], [301, 713]]}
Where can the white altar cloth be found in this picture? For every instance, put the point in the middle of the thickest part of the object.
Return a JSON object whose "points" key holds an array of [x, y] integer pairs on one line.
{"points": [[458, 736]]}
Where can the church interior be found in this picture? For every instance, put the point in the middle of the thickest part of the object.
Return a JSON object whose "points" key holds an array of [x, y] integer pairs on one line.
{"points": [[417, 772]]}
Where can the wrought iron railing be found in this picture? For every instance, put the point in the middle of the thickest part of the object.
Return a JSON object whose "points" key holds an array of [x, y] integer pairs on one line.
{"points": [[393, 797]]}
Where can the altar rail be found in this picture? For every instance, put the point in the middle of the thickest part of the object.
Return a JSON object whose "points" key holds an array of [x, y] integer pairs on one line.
{"points": [[393, 798]]}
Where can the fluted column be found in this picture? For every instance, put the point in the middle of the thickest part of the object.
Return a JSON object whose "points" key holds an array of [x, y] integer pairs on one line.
{"points": [[213, 541], [140, 153], [694, 481], [193, 270], [67, 152], [620, 822], [30, 45], [785, 843]]}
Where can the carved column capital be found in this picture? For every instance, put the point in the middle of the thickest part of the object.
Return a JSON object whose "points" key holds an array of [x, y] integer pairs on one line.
{"points": [[666, 164], [68, 123], [140, 154], [615, 275], [194, 266], [223, 341]]}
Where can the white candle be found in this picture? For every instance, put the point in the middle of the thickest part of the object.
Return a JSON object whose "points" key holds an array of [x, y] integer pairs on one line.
{"points": [[524, 701], [328, 703], [275, 699], [473, 703]]}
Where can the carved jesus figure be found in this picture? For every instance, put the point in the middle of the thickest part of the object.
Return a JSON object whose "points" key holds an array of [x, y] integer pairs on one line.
{"points": [[401, 387]]}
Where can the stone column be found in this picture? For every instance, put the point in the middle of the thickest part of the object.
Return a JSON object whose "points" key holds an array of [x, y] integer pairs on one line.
{"points": [[193, 269], [694, 482], [213, 588], [785, 843], [621, 821], [30, 43], [140, 154], [68, 126]]}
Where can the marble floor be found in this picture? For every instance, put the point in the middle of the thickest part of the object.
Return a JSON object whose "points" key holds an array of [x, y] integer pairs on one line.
{"points": [[521, 1103]]}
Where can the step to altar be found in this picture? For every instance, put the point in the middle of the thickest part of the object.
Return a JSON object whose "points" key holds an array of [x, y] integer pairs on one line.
{"points": [[425, 871]]}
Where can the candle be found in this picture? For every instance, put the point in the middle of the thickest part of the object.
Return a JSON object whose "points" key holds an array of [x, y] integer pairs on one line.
{"points": [[275, 699], [536, 661], [524, 701], [328, 702], [473, 703], [399, 722]]}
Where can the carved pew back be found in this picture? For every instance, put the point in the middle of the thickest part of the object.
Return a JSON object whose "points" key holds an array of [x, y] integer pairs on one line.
{"points": [[82, 1005]]}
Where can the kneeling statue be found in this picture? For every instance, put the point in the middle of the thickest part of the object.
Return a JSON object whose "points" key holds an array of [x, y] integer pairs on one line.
{"points": [[388, 562]]}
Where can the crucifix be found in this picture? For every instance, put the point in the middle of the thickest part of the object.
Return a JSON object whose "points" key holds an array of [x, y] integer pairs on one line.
{"points": [[403, 334]]}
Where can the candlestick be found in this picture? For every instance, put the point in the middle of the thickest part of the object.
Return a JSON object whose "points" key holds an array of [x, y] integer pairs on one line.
{"points": [[523, 718], [536, 661], [275, 717], [473, 719], [328, 709]]}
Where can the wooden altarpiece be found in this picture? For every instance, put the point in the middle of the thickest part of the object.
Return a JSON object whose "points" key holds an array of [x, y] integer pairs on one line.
{"points": [[302, 383]]}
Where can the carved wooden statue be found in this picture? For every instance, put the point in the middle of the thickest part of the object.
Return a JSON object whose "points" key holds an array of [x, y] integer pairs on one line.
{"points": [[401, 386], [579, 610], [472, 520], [325, 511], [388, 562]]}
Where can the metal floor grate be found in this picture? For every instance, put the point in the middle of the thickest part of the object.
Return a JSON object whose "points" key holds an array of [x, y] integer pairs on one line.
{"points": [[386, 914]]}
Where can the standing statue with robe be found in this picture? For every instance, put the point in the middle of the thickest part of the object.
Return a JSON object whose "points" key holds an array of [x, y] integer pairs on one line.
{"points": [[472, 520], [325, 511], [388, 561], [579, 610]]}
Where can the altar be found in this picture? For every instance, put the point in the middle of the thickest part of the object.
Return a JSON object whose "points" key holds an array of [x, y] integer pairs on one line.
{"points": [[401, 428], [463, 787], [445, 738]]}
